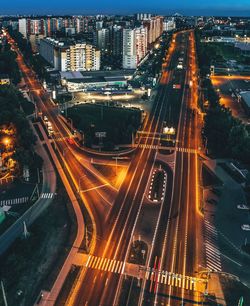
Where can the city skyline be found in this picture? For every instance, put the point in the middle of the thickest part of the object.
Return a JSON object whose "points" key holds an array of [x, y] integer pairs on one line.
{"points": [[194, 7], [125, 153]]}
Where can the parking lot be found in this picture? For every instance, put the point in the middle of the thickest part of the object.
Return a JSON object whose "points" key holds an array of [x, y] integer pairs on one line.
{"points": [[228, 88]]}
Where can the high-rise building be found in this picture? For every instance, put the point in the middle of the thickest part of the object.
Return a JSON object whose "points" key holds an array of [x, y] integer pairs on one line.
{"points": [[35, 27], [135, 43], [169, 24], [83, 57], [22, 26], [129, 49], [141, 40], [116, 41], [103, 40], [74, 57], [155, 28], [143, 16]]}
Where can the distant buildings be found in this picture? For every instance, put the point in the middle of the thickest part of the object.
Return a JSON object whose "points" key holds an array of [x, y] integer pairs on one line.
{"points": [[122, 41], [70, 57], [137, 41], [169, 24], [129, 60], [103, 39], [22, 26]]}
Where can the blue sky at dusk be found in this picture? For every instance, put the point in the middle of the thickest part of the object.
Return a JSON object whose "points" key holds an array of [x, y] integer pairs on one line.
{"points": [[189, 7]]}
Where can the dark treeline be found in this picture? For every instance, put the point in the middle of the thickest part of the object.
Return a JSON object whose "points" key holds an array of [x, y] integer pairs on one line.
{"points": [[13, 119], [225, 135], [34, 60]]}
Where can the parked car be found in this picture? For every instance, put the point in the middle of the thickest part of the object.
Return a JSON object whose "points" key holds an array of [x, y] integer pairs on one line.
{"points": [[243, 206], [245, 227]]}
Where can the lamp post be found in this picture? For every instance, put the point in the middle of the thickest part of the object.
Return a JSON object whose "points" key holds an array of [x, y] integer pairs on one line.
{"points": [[4, 294]]}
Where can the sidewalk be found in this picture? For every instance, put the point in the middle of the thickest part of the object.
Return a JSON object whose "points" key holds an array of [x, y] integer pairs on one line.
{"points": [[225, 221], [49, 186], [214, 289], [49, 298]]}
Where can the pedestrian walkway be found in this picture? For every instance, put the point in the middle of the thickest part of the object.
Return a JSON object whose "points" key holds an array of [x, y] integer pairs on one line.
{"points": [[174, 280], [213, 257], [12, 202], [146, 146], [178, 149], [150, 274], [105, 264], [186, 150], [48, 195]]}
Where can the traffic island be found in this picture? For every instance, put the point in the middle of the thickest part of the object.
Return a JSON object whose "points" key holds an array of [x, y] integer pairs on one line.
{"points": [[138, 252]]}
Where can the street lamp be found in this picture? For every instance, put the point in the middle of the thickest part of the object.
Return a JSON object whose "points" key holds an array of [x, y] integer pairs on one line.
{"points": [[6, 141]]}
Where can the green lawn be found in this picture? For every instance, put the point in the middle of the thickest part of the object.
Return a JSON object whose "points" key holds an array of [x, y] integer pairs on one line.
{"points": [[118, 123]]}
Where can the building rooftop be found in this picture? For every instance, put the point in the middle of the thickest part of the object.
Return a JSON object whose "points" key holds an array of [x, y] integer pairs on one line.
{"points": [[245, 95], [97, 76]]}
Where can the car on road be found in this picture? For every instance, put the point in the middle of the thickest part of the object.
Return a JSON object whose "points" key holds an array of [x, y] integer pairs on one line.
{"points": [[70, 141], [243, 206], [245, 227]]}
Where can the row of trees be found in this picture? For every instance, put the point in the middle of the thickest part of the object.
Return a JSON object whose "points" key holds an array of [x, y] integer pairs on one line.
{"points": [[226, 135], [34, 60], [8, 63], [13, 118]]}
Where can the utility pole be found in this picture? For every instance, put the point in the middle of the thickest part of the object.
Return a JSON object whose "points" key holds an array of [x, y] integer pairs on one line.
{"points": [[4, 294], [25, 231]]}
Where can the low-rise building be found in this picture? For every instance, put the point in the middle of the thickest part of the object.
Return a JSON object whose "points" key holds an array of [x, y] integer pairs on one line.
{"points": [[245, 100], [4, 79], [95, 80]]}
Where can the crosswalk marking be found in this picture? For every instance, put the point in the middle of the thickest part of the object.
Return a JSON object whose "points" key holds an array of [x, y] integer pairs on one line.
{"points": [[105, 264], [161, 277], [47, 195], [213, 257], [146, 146], [186, 150], [178, 149], [15, 201], [174, 280]]}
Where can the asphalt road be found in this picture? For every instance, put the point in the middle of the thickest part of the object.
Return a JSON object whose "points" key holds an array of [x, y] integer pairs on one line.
{"points": [[175, 252], [100, 287]]}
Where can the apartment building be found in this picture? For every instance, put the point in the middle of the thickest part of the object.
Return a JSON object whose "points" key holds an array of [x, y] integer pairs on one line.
{"points": [[70, 57]]}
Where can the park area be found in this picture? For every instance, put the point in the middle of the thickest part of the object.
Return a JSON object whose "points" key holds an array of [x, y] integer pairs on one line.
{"points": [[117, 123], [222, 52]]}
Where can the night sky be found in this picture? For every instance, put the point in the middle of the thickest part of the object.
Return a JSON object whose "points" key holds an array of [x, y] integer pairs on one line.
{"points": [[188, 7]]}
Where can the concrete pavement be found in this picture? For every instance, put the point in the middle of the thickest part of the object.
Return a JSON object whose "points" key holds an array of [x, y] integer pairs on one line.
{"points": [[49, 186]]}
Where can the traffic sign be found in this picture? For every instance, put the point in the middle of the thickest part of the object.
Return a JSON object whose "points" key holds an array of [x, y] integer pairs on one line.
{"points": [[100, 134]]}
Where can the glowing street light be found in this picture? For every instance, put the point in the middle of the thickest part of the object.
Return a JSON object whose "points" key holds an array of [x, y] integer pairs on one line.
{"points": [[169, 130], [6, 141]]}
